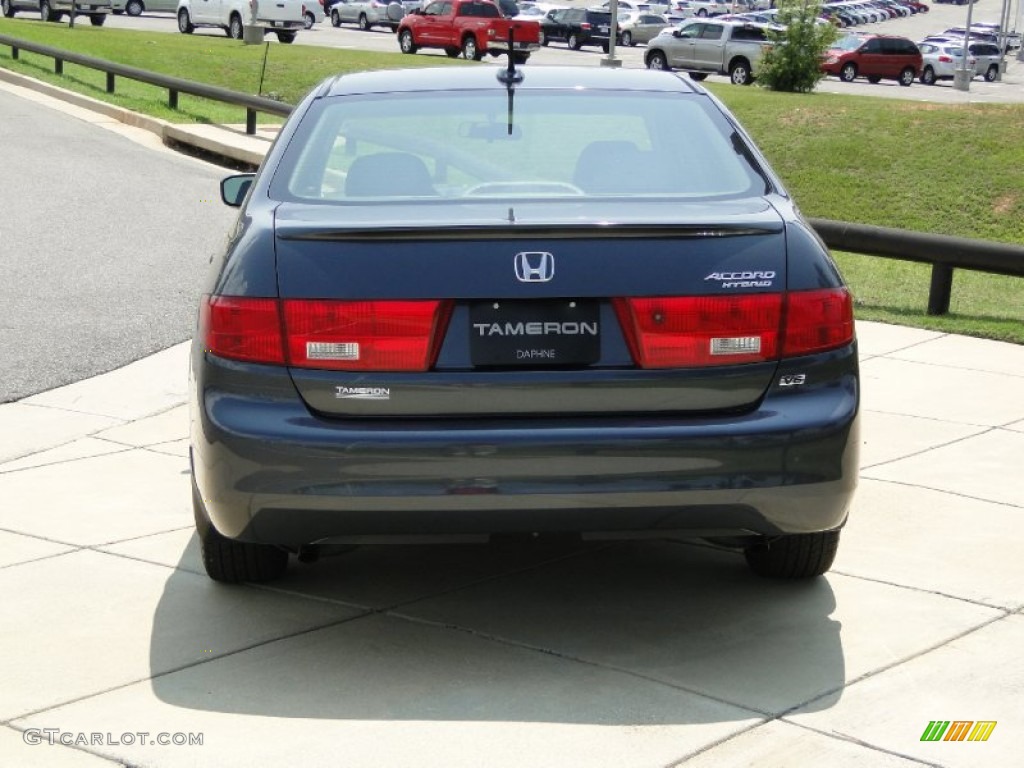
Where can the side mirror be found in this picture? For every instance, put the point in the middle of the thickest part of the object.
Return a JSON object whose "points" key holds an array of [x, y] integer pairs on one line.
{"points": [[233, 189], [676, 33]]}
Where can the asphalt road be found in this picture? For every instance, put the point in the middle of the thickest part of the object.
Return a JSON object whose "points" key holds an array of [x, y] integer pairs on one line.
{"points": [[103, 245]]}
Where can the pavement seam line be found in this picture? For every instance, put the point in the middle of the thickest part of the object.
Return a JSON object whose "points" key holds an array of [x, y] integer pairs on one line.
{"points": [[839, 736], [921, 590], [922, 342], [522, 645], [930, 418], [183, 667], [62, 461], [1009, 504], [44, 538], [37, 559], [716, 743], [892, 665], [961, 367], [929, 449]]}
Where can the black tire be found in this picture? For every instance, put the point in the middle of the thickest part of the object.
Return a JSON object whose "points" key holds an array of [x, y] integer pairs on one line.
{"points": [[452, 52], [739, 72], [520, 58], [7, 9], [848, 73], [46, 13], [235, 28], [627, 39], [335, 19], [363, 23], [874, 79], [233, 562], [702, 12], [574, 42], [308, 20], [606, 47], [134, 8], [799, 556], [928, 76], [542, 39], [184, 22], [657, 60], [98, 19], [907, 77], [992, 73], [698, 76], [406, 43], [286, 37], [470, 50]]}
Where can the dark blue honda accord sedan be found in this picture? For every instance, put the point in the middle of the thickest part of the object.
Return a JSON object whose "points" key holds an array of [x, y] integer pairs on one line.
{"points": [[474, 301]]}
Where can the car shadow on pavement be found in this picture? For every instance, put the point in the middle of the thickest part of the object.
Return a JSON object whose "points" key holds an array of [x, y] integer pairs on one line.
{"points": [[566, 633]]}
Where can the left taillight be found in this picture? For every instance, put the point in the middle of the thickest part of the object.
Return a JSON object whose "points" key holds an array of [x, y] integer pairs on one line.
{"points": [[326, 334], [240, 328]]}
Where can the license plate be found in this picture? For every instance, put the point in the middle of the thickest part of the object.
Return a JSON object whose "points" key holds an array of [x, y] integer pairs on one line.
{"points": [[560, 332], [603, 29]]}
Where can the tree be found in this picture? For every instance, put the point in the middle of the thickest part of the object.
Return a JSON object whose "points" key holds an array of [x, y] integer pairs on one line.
{"points": [[793, 61]]}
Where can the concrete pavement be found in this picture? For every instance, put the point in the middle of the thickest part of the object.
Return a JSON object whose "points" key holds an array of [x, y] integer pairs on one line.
{"points": [[652, 654]]}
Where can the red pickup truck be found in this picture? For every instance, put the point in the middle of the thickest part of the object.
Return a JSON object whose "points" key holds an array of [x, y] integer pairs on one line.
{"points": [[468, 27]]}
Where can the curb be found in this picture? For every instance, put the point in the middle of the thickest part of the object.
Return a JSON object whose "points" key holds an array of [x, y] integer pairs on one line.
{"points": [[204, 138]]}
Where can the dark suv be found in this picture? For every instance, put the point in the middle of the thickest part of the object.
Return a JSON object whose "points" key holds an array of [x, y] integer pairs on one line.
{"points": [[579, 27], [875, 57]]}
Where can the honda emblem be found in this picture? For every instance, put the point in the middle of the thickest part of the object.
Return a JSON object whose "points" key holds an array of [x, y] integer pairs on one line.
{"points": [[534, 266]]}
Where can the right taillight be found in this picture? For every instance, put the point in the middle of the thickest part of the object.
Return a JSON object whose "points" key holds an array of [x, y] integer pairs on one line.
{"points": [[816, 321], [702, 331]]}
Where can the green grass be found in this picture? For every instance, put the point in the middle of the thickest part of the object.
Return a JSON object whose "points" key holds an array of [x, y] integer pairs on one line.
{"points": [[949, 169]]}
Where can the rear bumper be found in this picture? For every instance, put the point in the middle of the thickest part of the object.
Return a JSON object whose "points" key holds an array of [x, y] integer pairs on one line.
{"points": [[270, 471]]}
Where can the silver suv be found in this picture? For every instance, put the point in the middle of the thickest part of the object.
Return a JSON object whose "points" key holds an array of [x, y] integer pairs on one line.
{"points": [[55, 10]]}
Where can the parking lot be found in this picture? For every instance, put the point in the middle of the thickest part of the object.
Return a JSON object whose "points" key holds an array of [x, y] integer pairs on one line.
{"points": [[940, 17]]}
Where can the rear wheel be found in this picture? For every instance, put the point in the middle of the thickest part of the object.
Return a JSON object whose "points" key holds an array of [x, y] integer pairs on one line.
{"points": [[286, 37], [232, 561], [7, 8], [542, 39], [992, 73], [363, 23], [702, 12], [405, 42], [520, 58], [627, 38], [739, 72], [335, 19], [907, 77], [98, 19], [235, 30], [308, 20], [657, 60], [797, 556], [452, 52], [874, 79], [470, 51], [133, 8], [848, 73], [185, 23], [928, 76], [574, 42], [698, 76]]}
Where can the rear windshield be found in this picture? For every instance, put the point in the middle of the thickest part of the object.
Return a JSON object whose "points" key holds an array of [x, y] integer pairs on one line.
{"points": [[463, 146]]}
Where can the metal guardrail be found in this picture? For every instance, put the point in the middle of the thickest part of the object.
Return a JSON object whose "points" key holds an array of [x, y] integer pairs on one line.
{"points": [[174, 85], [943, 252]]}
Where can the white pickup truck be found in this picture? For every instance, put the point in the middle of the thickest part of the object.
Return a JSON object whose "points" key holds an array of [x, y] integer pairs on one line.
{"points": [[282, 17]]}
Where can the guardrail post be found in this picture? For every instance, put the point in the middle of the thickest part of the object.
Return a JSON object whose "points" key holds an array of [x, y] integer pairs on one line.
{"points": [[58, 66], [172, 98], [941, 289], [110, 82], [250, 122], [14, 53]]}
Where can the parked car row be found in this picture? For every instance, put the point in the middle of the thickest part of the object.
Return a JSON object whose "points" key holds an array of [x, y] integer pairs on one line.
{"points": [[852, 14]]}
